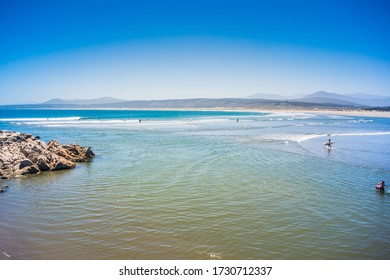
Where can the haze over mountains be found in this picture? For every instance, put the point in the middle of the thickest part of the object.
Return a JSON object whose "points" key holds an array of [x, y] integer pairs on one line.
{"points": [[319, 99]]}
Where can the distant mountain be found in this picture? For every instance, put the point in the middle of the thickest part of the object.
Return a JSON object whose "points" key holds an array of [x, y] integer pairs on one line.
{"points": [[211, 103], [98, 101], [358, 99], [325, 94], [267, 96], [328, 98], [273, 96], [315, 100], [366, 96], [327, 101], [323, 97]]}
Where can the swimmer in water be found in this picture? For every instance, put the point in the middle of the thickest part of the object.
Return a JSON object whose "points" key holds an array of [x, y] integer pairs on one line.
{"points": [[381, 186]]}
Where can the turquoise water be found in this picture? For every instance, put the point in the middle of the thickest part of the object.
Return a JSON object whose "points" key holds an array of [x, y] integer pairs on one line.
{"points": [[202, 185]]}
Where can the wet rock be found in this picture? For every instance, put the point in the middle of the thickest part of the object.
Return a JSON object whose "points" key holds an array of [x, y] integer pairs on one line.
{"points": [[61, 165]]}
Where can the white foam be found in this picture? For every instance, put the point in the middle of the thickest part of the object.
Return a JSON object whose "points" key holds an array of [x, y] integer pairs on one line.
{"points": [[360, 121], [39, 119], [305, 137], [289, 116], [77, 121], [5, 254], [300, 138]]}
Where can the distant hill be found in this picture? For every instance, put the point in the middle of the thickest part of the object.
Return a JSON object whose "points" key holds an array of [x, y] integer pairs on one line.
{"points": [[366, 96], [267, 96], [272, 96], [201, 103], [358, 98], [323, 97], [103, 100]]}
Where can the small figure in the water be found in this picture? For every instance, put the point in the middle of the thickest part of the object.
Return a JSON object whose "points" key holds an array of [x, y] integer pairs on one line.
{"points": [[237, 120], [329, 143], [381, 186], [139, 120]]}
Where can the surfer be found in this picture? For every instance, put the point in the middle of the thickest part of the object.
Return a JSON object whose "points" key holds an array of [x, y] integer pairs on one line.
{"points": [[381, 186], [329, 143]]}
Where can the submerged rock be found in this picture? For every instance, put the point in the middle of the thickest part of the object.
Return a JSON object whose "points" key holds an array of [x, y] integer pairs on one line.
{"points": [[22, 154]]}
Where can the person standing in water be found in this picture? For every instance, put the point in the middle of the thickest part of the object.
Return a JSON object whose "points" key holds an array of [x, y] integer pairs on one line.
{"points": [[381, 186], [329, 143]]}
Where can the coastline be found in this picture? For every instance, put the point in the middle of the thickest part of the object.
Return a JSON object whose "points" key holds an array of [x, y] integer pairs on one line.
{"points": [[342, 112], [267, 109]]}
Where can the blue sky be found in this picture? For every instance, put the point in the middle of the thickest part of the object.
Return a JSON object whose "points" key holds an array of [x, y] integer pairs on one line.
{"points": [[185, 49]]}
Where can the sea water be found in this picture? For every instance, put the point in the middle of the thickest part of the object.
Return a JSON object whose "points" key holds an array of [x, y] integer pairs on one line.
{"points": [[202, 185]]}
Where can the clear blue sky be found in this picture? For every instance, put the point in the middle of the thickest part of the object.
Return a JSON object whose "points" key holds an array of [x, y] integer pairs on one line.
{"points": [[183, 49]]}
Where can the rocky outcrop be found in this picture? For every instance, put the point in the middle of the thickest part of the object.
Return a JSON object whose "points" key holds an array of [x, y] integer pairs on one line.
{"points": [[22, 154]]}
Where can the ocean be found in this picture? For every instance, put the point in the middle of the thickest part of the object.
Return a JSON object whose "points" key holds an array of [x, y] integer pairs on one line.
{"points": [[202, 185]]}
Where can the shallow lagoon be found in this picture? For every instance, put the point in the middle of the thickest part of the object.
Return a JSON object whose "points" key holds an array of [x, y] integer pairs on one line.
{"points": [[192, 185]]}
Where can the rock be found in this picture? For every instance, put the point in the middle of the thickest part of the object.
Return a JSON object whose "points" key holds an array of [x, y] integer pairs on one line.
{"points": [[25, 162], [26, 170], [43, 165], [33, 169], [22, 154], [89, 154], [65, 164], [72, 152]]}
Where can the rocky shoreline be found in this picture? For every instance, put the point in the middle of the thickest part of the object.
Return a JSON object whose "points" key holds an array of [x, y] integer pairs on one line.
{"points": [[23, 154]]}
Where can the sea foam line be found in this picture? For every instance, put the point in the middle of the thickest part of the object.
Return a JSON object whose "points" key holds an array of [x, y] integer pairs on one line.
{"points": [[39, 119]]}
